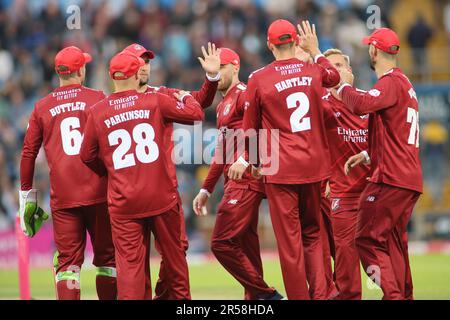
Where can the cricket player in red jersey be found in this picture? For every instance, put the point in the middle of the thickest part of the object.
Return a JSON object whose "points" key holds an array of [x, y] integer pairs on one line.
{"points": [[286, 97], [347, 135], [77, 195], [326, 228], [387, 202], [125, 133], [235, 241], [205, 96]]}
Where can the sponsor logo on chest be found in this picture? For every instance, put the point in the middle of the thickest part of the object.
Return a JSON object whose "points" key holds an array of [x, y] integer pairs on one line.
{"points": [[226, 110]]}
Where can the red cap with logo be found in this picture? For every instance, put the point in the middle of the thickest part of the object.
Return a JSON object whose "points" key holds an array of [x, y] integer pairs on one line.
{"points": [[126, 63], [72, 58], [229, 56], [279, 28], [139, 50], [384, 39]]}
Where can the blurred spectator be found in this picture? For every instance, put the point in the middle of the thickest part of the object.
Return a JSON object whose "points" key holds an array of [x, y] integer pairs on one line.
{"points": [[435, 137], [31, 32], [419, 35]]}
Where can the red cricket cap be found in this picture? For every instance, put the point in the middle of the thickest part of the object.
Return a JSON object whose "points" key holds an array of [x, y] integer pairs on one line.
{"points": [[139, 50], [126, 63], [72, 58], [280, 28], [384, 39], [229, 56]]}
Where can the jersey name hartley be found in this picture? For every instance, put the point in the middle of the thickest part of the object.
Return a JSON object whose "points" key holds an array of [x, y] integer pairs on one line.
{"points": [[293, 82], [127, 116], [353, 135], [67, 107]]}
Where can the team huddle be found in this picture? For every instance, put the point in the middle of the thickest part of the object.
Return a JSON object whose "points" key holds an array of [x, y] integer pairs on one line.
{"points": [[347, 170]]}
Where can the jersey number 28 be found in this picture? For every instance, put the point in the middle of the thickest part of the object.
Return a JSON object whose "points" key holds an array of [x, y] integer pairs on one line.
{"points": [[146, 150]]}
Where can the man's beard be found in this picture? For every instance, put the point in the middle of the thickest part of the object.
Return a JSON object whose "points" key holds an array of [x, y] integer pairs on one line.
{"points": [[225, 85], [142, 83]]}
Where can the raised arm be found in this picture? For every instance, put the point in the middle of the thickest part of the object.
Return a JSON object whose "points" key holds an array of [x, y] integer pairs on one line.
{"points": [[310, 43], [183, 107], [382, 96]]}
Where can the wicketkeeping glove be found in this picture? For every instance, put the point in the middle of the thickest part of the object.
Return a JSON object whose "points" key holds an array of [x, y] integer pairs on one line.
{"points": [[31, 215]]}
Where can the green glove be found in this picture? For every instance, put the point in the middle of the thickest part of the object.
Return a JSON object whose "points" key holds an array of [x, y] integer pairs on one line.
{"points": [[31, 215]]}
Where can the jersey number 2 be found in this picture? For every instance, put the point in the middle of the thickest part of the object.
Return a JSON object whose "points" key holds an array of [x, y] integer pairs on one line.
{"points": [[300, 101], [146, 150]]}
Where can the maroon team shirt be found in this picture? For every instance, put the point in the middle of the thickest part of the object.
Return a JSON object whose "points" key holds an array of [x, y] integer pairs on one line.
{"points": [[393, 129], [205, 97], [58, 122], [287, 95], [348, 134], [126, 132], [230, 113]]}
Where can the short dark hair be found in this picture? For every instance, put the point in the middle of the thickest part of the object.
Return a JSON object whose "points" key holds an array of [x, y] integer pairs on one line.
{"points": [[285, 46], [65, 76]]}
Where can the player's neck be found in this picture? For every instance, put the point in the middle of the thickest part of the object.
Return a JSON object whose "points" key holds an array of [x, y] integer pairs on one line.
{"points": [[121, 87], [232, 85], [284, 54], [69, 82], [383, 67]]}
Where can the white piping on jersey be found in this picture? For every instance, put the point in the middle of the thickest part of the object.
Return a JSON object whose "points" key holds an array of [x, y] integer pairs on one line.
{"points": [[251, 75]]}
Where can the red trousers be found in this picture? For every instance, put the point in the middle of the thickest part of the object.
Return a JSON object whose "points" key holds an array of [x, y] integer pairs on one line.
{"points": [[382, 239], [132, 242], [162, 291], [296, 220], [344, 215], [235, 241], [328, 247], [69, 230]]}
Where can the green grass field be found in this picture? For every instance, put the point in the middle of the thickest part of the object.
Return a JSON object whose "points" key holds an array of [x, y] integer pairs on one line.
{"points": [[431, 275]]}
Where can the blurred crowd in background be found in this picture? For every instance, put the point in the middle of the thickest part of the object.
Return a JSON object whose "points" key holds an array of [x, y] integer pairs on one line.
{"points": [[31, 32]]}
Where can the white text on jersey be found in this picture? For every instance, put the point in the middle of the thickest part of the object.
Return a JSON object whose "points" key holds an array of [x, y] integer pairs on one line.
{"points": [[66, 107], [293, 82], [127, 116]]}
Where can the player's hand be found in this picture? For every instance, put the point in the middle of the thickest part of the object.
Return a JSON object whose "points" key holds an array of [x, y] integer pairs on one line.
{"points": [[31, 216], [179, 95], [346, 77], [354, 161], [327, 190], [256, 172], [308, 38], [199, 204], [301, 54], [211, 60], [236, 171]]}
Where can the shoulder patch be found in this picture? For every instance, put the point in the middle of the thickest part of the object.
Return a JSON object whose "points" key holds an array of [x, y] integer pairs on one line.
{"points": [[374, 92], [242, 87], [154, 88], [327, 96]]}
